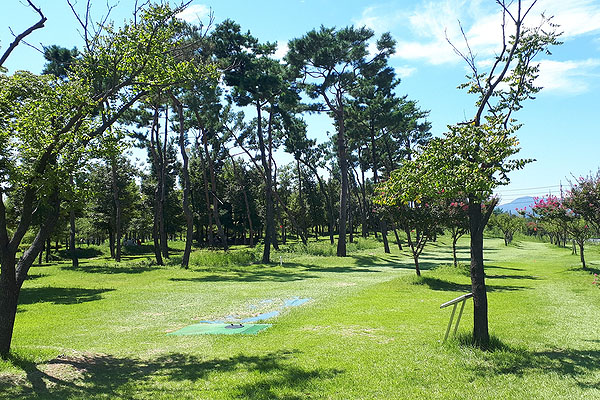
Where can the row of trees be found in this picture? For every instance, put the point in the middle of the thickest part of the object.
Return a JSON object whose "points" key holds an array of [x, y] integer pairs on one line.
{"points": [[573, 216], [211, 133]]}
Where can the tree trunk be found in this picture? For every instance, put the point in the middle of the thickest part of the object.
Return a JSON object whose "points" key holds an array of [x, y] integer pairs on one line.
{"points": [[187, 211], [48, 249], [269, 212], [164, 244], [398, 241], [454, 258], [481, 335], [383, 229], [213, 185], [209, 228], [73, 249], [13, 274], [156, 239], [157, 156], [581, 257], [343, 164], [111, 243], [118, 210], [9, 296], [416, 259]]}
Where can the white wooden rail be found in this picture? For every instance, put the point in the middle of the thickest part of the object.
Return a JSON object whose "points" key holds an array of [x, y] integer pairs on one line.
{"points": [[461, 299]]}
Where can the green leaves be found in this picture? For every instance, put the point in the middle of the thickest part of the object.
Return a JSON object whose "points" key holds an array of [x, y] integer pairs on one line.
{"points": [[470, 160]]}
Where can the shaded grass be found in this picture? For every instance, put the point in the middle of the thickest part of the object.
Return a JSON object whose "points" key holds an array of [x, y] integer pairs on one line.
{"points": [[371, 330]]}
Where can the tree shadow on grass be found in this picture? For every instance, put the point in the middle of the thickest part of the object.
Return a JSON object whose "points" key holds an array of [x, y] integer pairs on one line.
{"points": [[82, 252], [59, 295], [114, 268], [104, 376], [289, 271], [581, 365], [295, 272], [531, 277], [504, 268], [449, 286]]}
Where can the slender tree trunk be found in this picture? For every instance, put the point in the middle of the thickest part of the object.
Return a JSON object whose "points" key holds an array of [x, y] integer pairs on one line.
{"points": [[213, 184], [581, 257], [454, 240], [118, 210], [343, 164], [73, 249], [398, 241], [156, 239], [365, 207], [41, 254], [383, 229], [158, 234], [350, 220], [209, 229], [111, 243], [413, 248], [269, 212], [187, 210], [164, 244], [48, 249]]}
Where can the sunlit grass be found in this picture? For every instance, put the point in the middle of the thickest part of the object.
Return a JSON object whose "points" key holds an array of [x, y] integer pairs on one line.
{"points": [[371, 330]]}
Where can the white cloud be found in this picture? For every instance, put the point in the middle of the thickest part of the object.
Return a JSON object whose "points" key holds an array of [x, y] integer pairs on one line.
{"points": [[282, 49], [194, 13], [575, 17], [379, 19], [405, 71], [431, 21], [568, 77]]}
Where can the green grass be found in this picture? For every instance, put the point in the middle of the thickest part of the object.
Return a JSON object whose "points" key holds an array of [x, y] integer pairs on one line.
{"points": [[372, 330]]}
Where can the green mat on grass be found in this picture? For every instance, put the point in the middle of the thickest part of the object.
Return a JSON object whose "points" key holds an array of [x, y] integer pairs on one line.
{"points": [[219, 329]]}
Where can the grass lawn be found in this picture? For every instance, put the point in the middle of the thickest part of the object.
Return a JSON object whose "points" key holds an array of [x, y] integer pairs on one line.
{"points": [[372, 329]]}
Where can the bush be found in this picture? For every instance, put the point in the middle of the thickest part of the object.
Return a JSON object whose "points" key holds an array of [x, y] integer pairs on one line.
{"points": [[212, 258]]}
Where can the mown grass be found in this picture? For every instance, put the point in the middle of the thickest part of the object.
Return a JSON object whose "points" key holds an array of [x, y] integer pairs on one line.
{"points": [[371, 330]]}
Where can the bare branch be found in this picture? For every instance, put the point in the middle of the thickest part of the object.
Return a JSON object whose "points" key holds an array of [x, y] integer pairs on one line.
{"points": [[25, 33]]}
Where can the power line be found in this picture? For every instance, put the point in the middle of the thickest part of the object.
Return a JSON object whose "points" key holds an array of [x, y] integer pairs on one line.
{"points": [[528, 189]]}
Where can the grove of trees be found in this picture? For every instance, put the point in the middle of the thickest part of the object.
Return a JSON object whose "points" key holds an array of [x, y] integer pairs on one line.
{"points": [[210, 106]]}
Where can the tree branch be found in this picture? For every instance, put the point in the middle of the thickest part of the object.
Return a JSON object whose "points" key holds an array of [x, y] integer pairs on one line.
{"points": [[25, 33]]}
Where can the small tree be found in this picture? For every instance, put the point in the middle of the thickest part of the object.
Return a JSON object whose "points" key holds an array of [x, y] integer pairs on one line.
{"points": [[508, 225], [474, 156], [584, 198], [422, 222], [457, 221]]}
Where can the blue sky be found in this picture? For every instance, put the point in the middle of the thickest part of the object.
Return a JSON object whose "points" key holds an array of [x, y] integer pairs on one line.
{"points": [[560, 129]]}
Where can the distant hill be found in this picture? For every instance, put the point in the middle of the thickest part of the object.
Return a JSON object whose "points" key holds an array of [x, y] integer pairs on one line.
{"points": [[521, 202]]}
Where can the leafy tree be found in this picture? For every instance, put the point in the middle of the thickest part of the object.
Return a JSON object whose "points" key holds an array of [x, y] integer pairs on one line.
{"points": [[584, 198], [328, 63], [47, 124], [508, 224], [424, 220], [457, 220], [474, 157], [110, 213], [59, 60]]}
